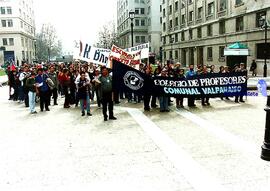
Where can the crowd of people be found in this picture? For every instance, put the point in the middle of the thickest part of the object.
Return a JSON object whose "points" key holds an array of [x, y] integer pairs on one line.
{"points": [[81, 83]]}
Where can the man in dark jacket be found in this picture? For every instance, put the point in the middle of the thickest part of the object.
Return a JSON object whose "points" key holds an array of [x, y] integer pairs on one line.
{"points": [[54, 92], [106, 94], [44, 90]]}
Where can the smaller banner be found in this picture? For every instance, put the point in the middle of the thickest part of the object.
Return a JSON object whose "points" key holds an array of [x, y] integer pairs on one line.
{"points": [[128, 79], [144, 48], [88, 53], [125, 57]]}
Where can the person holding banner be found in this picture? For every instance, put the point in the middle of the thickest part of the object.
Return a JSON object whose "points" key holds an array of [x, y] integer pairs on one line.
{"points": [[241, 69], [106, 94], [163, 99], [189, 74], [179, 73], [205, 100]]}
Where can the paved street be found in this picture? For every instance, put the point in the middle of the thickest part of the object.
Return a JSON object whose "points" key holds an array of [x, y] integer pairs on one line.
{"points": [[212, 148]]}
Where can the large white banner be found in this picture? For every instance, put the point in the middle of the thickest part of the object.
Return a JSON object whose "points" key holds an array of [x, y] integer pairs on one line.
{"points": [[144, 48], [86, 52]]}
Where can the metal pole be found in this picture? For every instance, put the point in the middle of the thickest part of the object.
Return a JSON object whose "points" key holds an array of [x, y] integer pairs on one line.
{"points": [[265, 51], [266, 145], [132, 25]]}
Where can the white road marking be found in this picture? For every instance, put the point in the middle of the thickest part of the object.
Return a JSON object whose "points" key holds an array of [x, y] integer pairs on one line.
{"points": [[235, 141], [198, 177]]}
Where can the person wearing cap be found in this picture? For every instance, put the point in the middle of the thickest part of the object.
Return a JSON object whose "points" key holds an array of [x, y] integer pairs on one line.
{"points": [[31, 85], [44, 90]]}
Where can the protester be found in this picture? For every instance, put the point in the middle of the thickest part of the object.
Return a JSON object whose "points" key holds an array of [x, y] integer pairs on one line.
{"points": [[53, 76], [23, 77], [180, 99], [163, 99], [190, 73], [106, 94], [83, 87], [43, 89], [205, 100], [241, 69], [31, 85]]}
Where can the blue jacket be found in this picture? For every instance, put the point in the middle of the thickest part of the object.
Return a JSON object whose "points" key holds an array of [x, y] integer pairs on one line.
{"points": [[41, 80]]}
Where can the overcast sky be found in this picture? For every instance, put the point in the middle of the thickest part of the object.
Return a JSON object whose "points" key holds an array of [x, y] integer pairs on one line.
{"points": [[75, 19]]}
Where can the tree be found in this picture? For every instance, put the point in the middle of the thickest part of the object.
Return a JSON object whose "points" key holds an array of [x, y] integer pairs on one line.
{"points": [[48, 46], [107, 36]]}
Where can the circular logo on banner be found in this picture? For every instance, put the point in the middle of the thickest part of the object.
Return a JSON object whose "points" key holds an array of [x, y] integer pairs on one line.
{"points": [[133, 80]]}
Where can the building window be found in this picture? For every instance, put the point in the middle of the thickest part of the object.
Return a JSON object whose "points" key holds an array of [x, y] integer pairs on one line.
{"points": [[3, 10], [5, 42], [9, 10], [261, 48], [238, 2], [10, 23], [222, 5], [170, 10], [190, 1], [221, 52], [191, 16], [182, 36], [171, 25], [176, 21], [176, 54], [143, 22], [142, 39], [165, 55], [211, 8], [210, 30], [160, 20], [137, 11], [164, 27], [190, 34], [142, 1], [183, 19], [176, 6], [11, 41], [149, 38], [239, 24], [209, 54], [137, 39], [222, 27], [22, 41], [259, 15], [4, 23], [164, 13], [171, 54], [176, 37], [149, 10], [164, 40], [199, 32], [199, 12], [137, 22], [142, 11], [183, 4]]}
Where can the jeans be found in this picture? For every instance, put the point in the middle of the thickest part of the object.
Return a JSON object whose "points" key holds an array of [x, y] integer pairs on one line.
{"points": [[164, 103], [32, 101], [87, 104]]}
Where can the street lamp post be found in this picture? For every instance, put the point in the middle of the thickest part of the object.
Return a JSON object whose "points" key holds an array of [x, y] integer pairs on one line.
{"points": [[265, 155], [131, 16], [264, 24]]}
